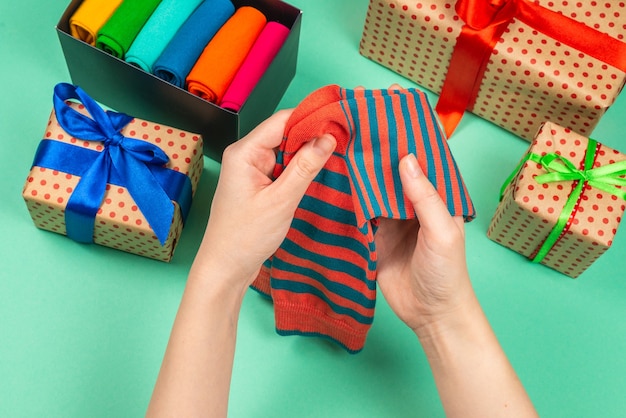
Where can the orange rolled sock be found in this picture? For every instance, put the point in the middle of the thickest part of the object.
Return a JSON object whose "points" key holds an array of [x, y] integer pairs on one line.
{"points": [[89, 18], [215, 69]]}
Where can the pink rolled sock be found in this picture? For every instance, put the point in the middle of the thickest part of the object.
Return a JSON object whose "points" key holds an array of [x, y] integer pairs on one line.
{"points": [[258, 59]]}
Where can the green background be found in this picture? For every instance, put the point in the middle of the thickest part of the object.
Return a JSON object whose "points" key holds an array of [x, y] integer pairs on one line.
{"points": [[83, 328]]}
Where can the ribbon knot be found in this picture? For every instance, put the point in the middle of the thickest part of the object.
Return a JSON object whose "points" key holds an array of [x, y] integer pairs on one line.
{"points": [[115, 140], [480, 14], [133, 161], [604, 178]]}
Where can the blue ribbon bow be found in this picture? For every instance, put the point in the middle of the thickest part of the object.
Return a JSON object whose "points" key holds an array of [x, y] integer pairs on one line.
{"points": [[131, 163]]}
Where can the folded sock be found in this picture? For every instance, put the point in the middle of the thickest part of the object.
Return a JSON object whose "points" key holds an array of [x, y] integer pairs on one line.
{"points": [[158, 31], [217, 65], [89, 18], [322, 277], [193, 36], [119, 32], [265, 48]]}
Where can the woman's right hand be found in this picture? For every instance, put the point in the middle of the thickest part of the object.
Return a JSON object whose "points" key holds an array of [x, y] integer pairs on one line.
{"points": [[422, 270]]}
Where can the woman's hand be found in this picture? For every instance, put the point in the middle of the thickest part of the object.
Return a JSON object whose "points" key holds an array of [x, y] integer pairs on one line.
{"points": [[422, 272], [422, 269], [250, 217], [251, 212]]}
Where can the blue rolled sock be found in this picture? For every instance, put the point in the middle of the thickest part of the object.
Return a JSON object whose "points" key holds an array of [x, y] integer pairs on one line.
{"points": [[183, 51]]}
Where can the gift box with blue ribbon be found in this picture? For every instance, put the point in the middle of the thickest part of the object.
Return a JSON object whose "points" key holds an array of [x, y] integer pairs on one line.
{"points": [[563, 203], [107, 178]]}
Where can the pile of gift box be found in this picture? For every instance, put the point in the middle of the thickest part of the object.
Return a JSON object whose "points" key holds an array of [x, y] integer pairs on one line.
{"points": [[117, 54], [545, 71]]}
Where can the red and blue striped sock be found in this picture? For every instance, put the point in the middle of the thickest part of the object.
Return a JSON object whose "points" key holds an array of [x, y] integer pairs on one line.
{"points": [[322, 279]]}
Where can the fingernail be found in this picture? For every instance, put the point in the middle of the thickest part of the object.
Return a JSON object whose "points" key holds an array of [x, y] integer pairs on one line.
{"points": [[412, 168], [324, 145]]}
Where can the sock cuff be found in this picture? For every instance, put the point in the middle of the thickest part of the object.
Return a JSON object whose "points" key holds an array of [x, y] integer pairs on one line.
{"points": [[330, 118], [305, 320], [262, 282], [318, 98]]}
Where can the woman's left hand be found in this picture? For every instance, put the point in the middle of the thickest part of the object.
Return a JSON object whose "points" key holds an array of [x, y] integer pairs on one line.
{"points": [[251, 212]]}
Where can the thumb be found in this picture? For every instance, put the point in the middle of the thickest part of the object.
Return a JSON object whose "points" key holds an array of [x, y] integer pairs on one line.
{"points": [[430, 209], [303, 167]]}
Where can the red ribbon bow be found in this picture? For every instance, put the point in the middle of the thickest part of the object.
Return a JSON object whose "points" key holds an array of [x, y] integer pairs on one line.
{"points": [[479, 14], [485, 22]]}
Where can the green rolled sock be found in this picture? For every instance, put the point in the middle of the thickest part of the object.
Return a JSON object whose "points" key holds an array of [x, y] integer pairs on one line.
{"points": [[119, 32]]}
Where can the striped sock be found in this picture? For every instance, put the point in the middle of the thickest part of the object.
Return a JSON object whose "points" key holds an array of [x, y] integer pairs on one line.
{"points": [[322, 277]]}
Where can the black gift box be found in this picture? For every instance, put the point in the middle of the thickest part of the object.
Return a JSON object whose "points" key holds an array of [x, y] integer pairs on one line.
{"points": [[128, 89]]}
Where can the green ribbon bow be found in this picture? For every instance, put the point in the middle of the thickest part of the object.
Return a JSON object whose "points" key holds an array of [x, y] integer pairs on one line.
{"points": [[559, 168]]}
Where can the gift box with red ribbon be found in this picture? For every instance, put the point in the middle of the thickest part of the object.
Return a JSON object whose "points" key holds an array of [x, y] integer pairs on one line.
{"points": [[562, 205], [111, 179], [516, 63]]}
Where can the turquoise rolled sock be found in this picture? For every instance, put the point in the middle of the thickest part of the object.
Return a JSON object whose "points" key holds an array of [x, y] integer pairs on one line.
{"points": [[158, 31]]}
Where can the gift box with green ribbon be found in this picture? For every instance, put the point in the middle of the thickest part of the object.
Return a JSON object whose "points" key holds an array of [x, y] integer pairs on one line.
{"points": [[562, 205], [107, 178], [516, 63]]}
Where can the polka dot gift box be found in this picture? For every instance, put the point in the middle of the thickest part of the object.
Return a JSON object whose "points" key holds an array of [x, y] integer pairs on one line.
{"points": [[564, 202], [111, 179], [516, 63]]}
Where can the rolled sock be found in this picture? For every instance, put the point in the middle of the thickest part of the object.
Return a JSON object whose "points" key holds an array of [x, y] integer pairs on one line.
{"points": [[119, 32], [322, 279], [265, 48], [183, 51], [158, 31], [90, 16], [217, 65]]}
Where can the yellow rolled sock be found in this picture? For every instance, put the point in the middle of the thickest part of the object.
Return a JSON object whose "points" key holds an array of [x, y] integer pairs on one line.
{"points": [[89, 18]]}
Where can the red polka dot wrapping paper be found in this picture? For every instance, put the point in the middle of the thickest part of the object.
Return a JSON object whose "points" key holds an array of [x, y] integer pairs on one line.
{"points": [[528, 210], [119, 223], [530, 78]]}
